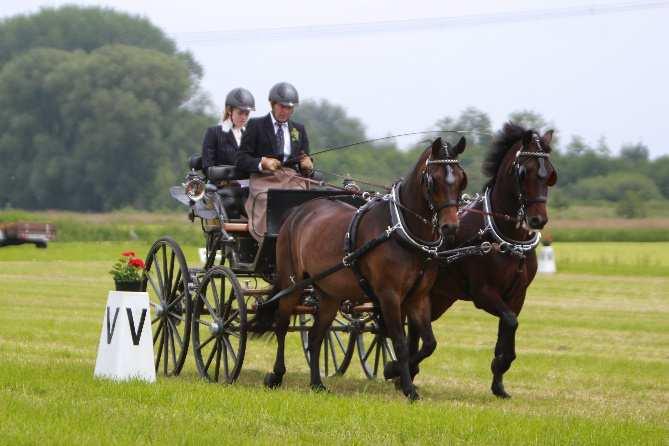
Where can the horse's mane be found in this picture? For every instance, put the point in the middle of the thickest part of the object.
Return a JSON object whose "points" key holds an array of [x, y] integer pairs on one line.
{"points": [[501, 144]]}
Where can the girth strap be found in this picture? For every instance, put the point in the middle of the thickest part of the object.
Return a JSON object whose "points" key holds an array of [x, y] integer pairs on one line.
{"points": [[352, 255]]}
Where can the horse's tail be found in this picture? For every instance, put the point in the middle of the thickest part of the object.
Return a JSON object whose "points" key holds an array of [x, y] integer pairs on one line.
{"points": [[266, 314]]}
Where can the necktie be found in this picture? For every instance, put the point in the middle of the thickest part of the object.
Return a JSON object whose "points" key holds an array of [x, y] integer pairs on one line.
{"points": [[279, 138]]}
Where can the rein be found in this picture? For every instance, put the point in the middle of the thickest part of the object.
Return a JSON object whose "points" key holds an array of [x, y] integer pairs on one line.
{"points": [[367, 141]]}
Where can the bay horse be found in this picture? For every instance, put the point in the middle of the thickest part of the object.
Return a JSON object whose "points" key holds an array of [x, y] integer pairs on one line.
{"points": [[385, 251], [512, 208]]}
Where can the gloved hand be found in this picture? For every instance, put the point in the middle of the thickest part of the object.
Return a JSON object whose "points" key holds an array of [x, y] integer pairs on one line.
{"points": [[270, 164], [306, 165]]}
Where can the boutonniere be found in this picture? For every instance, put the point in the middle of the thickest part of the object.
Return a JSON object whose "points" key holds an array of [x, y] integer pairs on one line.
{"points": [[294, 135]]}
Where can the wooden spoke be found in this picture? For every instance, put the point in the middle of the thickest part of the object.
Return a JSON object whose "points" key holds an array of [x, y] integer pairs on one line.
{"points": [[158, 330]]}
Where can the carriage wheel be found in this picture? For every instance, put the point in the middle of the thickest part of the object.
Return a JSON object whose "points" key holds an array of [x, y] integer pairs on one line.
{"points": [[375, 350], [219, 326], [167, 282], [337, 348]]}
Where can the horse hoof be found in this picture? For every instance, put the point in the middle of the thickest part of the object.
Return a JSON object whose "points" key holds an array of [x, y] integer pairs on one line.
{"points": [[412, 395], [390, 370], [319, 388], [272, 381], [498, 390]]}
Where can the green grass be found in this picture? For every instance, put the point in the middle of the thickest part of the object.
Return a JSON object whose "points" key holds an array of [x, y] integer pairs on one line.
{"points": [[592, 367], [625, 258], [610, 235], [577, 224]]}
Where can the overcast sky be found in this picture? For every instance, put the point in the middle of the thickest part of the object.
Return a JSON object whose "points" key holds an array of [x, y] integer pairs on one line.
{"points": [[593, 75]]}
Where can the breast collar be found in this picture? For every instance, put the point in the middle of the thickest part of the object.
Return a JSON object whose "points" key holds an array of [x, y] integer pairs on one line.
{"points": [[398, 225], [506, 244]]}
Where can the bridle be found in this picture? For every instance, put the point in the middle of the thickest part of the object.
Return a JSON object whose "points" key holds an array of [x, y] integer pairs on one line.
{"points": [[426, 177], [519, 170]]}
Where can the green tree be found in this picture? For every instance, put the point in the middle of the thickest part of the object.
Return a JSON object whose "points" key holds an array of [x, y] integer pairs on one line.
{"points": [[329, 125], [614, 186], [659, 172], [636, 153], [84, 28], [95, 130], [632, 205], [479, 134]]}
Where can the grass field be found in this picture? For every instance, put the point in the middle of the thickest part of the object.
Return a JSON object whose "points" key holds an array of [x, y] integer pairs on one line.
{"points": [[592, 367], [574, 224]]}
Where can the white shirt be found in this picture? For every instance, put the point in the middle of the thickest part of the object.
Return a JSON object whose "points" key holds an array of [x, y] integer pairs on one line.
{"points": [[236, 132]]}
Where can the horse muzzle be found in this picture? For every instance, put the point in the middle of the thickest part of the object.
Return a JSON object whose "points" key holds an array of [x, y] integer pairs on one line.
{"points": [[449, 229], [536, 221]]}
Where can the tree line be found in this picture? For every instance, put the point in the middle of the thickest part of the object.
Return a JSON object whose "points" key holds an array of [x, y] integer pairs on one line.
{"points": [[99, 110]]}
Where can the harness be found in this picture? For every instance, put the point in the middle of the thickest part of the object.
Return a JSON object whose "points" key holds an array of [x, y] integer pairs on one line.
{"points": [[352, 255], [499, 242], [506, 244], [429, 248]]}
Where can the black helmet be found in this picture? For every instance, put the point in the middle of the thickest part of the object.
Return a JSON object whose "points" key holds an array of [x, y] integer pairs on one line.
{"points": [[240, 98], [284, 93]]}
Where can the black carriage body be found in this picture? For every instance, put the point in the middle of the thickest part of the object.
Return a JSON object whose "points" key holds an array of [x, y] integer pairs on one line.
{"points": [[280, 203]]}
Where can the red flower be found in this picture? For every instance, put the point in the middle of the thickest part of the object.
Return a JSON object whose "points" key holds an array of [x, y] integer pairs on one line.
{"points": [[139, 263], [128, 254]]}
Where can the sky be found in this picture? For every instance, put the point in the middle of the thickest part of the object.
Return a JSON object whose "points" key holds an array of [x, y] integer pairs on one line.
{"points": [[598, 74]]}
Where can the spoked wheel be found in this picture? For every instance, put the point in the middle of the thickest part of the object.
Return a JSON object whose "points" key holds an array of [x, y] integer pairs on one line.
{"points": [[375, 350], [167, 283], [337, 348], [219, 326]]}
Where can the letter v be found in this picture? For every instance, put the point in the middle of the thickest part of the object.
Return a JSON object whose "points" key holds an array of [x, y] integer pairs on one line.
{"points": [[110, 330], [136, 334]]}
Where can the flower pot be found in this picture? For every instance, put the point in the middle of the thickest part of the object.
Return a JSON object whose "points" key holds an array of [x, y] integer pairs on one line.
{"points": [[133, 285]]}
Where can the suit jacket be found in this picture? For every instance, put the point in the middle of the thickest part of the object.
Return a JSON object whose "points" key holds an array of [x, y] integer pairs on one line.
{"points": [[260, 140], [219, 147]]}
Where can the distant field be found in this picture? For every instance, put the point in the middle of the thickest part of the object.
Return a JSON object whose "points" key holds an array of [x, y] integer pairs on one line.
{"points": [[592, 367], [574, 224]]}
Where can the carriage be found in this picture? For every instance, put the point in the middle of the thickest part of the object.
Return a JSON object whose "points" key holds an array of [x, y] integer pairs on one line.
{"points": [[209, 308]]}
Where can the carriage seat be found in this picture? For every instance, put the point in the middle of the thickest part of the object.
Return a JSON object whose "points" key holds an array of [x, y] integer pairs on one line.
{"points": [[233, 197], [217, 173]]}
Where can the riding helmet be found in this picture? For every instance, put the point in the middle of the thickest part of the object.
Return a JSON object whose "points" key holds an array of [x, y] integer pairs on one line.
{"points": [[285, 94], [240, 98]]}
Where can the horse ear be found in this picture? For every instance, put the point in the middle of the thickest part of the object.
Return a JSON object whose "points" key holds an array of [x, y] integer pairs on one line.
{"points": [[436, 148], [527, 138], [460, 146], [548, 137]]}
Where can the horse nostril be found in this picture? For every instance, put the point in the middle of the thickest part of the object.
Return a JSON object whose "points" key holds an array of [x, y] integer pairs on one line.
{"points": [[449, 228], [536, 221]]}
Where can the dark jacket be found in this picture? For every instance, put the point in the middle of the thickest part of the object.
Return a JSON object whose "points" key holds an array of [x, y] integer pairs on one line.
{"points": [[219, 147], [260, 140]]}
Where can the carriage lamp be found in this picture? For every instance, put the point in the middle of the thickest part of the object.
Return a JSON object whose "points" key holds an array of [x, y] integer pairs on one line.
{"points": [[194, 188]]}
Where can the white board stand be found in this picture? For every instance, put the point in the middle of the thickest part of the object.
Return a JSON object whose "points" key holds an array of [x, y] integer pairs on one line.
{"points": [[125, 350], [546, 260]]}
